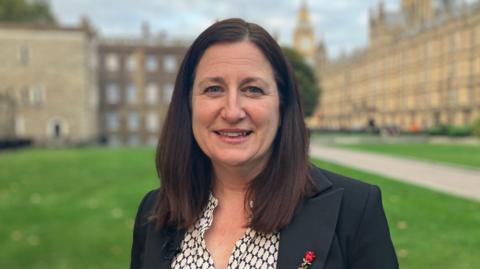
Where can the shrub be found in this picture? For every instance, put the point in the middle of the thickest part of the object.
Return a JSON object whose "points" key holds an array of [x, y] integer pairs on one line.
{"points": [[476, 127], [439, 129], [453, 130], [463, 130]]}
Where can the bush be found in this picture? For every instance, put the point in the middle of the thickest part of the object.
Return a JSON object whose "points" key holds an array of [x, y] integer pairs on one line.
{"points": [[440, 129], [14, 143], [463, 130], [476, 127], [452, 130]]}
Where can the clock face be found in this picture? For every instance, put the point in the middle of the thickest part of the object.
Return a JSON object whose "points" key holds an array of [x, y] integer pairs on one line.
{"points": [[305, 44]]}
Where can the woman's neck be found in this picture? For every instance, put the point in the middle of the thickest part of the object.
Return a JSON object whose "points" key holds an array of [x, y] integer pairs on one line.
{"points": [[231, 183], [230, 190]]}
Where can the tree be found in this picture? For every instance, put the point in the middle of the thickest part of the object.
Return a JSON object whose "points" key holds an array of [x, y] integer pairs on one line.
{"points": [[476, 127], [25, 11], [307, 81]]}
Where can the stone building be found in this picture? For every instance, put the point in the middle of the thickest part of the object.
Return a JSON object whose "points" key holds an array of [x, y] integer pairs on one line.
{"points": [[421, 68], [49, 74], [7, 117], [136, 81]]}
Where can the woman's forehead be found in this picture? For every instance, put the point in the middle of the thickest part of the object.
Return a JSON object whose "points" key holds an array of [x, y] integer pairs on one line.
{"points": [[239, 58]]}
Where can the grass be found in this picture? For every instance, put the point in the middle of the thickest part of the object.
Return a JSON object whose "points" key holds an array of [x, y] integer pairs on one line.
{"points": [[74, 208], [71, 208], [465, 155]]}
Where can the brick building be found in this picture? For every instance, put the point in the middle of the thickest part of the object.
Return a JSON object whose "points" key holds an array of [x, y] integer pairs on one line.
{"points": [[136, 81]]}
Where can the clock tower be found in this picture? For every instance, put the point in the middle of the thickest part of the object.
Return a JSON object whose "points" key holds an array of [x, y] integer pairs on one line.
{"points": [[304, 36]]}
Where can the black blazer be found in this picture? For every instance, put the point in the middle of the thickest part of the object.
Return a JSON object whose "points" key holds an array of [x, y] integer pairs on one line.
{"points": [[344, 224]]}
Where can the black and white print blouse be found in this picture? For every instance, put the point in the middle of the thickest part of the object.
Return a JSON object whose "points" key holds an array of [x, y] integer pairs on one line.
{"points": [[253, 250]]}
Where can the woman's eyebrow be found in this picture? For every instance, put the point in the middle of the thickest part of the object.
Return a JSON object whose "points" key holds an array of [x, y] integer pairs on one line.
{"points": [[219, 80], [242, 83], [253, 79]]}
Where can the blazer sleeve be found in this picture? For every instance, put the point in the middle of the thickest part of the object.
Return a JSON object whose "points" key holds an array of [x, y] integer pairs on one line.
{"points": [[373, 248], [140, 230]]}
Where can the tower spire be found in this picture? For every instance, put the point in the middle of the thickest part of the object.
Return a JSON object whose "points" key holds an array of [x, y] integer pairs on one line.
{"points": [[304, 36]]}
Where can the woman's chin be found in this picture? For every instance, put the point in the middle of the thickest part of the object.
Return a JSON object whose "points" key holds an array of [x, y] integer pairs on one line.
{"points": [[232, 162], [243, 162]]}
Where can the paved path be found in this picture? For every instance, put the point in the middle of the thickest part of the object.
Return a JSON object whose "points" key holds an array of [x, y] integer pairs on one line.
{"points": [[462, 182]]}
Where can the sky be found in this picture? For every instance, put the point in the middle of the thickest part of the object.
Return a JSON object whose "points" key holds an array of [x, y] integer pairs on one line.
{"points": [[341, 24]]}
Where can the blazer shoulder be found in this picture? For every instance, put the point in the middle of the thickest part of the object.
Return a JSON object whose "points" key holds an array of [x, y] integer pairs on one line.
{"points": [[362, 228], [357, 195], [354, 189], [147, 204], [140, 228]]}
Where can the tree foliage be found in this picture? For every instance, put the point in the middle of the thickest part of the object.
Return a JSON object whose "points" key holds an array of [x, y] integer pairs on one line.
{"points": [[308, 85], [476, 127], [25, 11]]}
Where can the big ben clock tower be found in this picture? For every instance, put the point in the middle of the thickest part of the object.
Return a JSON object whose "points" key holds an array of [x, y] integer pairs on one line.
{"points": [[304, 36]]}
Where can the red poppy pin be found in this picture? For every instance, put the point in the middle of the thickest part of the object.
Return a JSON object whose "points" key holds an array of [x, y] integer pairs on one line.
{"points": [[308, 258]]}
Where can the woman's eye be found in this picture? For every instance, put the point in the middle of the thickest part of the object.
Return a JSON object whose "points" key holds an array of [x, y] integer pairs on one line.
{"points": [[213, 90], [254, 91]]}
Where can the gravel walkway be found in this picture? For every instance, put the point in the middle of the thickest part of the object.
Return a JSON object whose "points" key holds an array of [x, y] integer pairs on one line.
{"points": [[458, 181]]}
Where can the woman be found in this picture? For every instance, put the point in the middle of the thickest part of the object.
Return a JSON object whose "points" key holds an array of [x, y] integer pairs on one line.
{"points": [[237, 188]]}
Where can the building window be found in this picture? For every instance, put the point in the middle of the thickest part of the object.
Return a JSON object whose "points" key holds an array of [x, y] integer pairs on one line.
{"points": [[452, 42], [37, 95], [133, 121], [151, 63], [452, 96], [152, 140], [131, 63], [112, 121], [170, 64], [114, 140], [133, 140], [151, 96], [152, 122], [113, 94], [25, 95], [111, 62], [131, 93], [34, 95], [467, 115], [436, 118], [24, 54], [167, 92], [20, 125], [458, 40]]}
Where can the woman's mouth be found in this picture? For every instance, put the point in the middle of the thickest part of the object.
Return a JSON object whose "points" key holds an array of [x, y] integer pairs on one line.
{"points": [[233, 136]]}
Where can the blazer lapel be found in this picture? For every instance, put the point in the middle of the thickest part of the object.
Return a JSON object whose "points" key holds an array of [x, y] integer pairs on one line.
{"points": [[312, 227], [161, 247]]}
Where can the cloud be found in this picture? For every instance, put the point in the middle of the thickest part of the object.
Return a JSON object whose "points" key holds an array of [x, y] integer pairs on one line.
{"points": [[342, 23]]}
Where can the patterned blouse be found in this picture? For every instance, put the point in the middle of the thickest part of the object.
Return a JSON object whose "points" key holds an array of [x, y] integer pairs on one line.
{"points": [[253, 250]]}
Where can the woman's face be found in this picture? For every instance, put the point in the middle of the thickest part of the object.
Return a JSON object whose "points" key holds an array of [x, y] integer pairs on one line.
{"points": [[235, 105]]}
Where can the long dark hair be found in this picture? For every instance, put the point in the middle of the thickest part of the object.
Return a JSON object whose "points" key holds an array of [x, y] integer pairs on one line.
{"points": [[186, 172]]}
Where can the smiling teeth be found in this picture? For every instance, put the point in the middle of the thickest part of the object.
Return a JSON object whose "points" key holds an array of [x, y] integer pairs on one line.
{"points": [[233, 134]]}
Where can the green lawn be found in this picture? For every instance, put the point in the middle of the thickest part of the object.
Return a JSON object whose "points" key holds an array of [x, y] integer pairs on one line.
{"points": [[466, 155], [75, 208], [71, 208]]}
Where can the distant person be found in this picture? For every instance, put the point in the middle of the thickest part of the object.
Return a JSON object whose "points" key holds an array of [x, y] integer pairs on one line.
{"points": [[372, 126], [237, 188]]}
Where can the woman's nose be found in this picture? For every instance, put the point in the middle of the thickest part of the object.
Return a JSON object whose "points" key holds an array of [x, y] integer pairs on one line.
{"points": [[233, 110]]}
